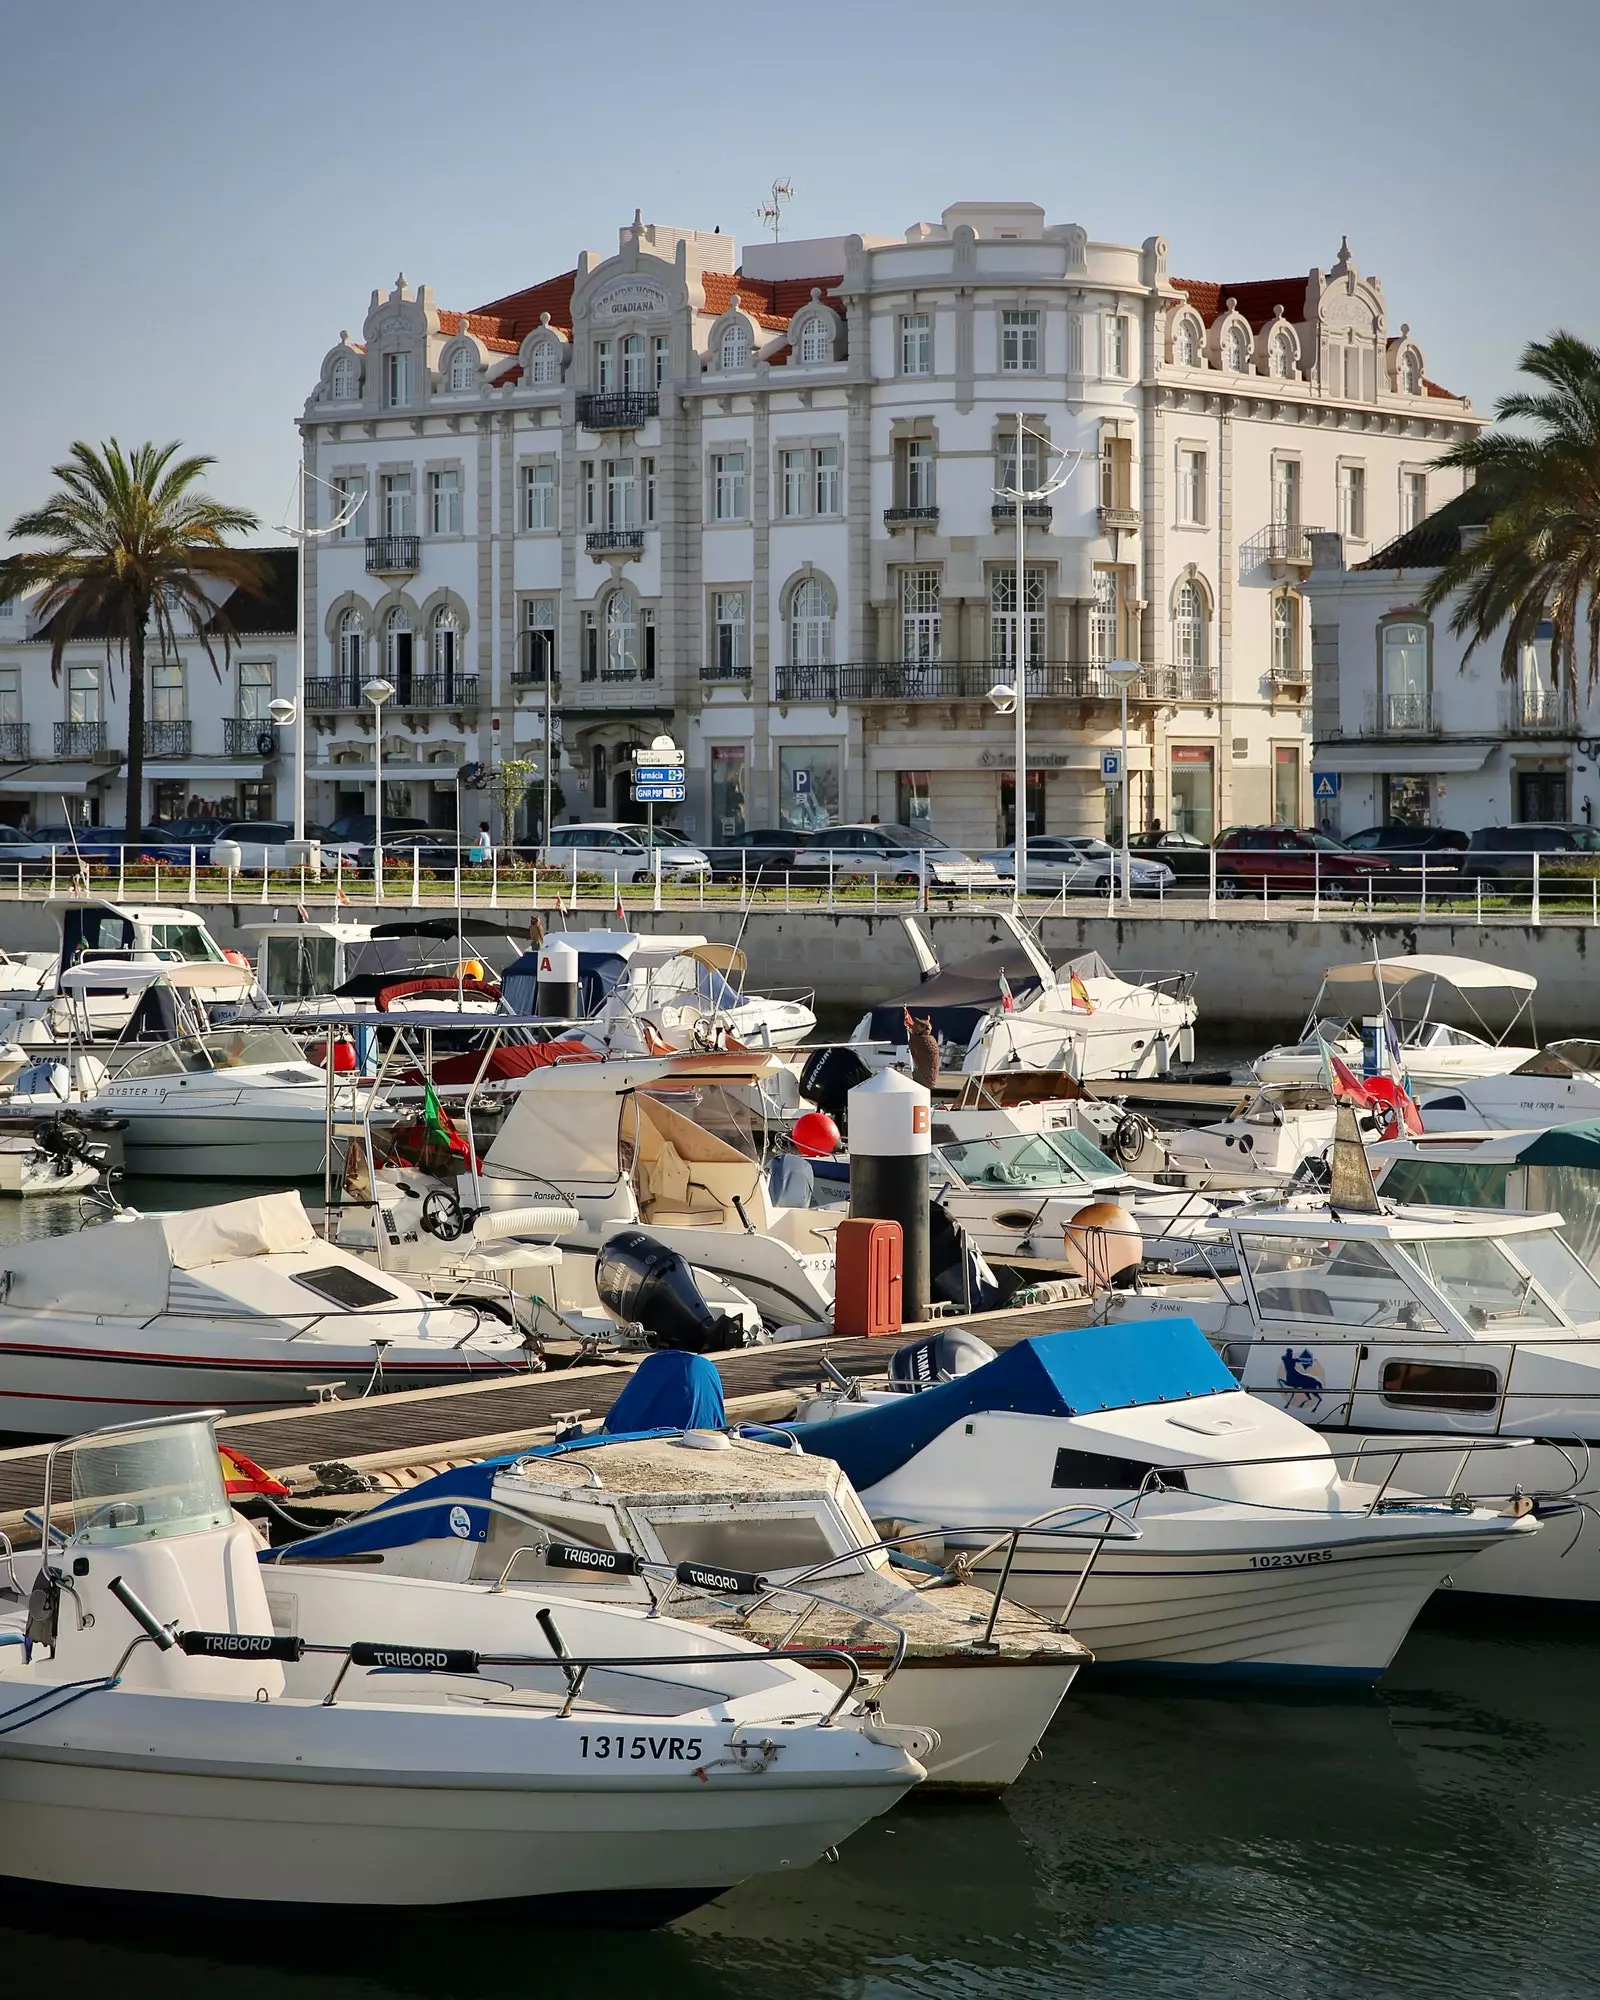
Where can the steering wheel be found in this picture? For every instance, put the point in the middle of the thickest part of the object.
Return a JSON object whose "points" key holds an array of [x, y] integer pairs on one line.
{"points": [[441, 1215]]}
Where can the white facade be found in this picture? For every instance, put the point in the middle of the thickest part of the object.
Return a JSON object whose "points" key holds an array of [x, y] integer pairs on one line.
{"points": [[211, 749], [1418, 733], [756, 506]]}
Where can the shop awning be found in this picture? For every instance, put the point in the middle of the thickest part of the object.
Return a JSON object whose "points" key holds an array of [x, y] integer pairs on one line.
{"points": [[204, 767], [1380, 759], [393, 774], [72, 779]]}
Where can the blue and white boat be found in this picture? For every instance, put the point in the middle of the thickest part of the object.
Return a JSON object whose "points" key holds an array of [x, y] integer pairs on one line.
{"points": [[1254, 1558]]}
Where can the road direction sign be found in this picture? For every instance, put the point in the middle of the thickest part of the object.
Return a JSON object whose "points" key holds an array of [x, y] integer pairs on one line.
{"points": [[1324, 784], [658, 774], [643, 756], [659, 795]]}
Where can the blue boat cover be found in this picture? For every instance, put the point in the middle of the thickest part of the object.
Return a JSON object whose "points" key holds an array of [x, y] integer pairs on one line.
{"points": [[1071, 1374], [669, 1391]]}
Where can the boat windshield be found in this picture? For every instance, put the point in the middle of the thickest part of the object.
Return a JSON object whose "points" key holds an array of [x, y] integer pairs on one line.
{"points": [[675, 1112], [756, 1539], [140, 1486], [225, 1048], [189, 941], [1348, 1281], [1024, 1159], [1485, 1284], [300, 966]]}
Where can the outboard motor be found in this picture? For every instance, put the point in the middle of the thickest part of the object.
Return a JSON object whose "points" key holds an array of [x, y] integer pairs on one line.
{"points": [[939, 1357], [638, 1279], [829, 1077]]}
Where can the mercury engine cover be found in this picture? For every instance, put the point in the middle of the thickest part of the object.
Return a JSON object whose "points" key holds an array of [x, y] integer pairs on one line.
{"points": [[829, 1077], [940, 1357], [638, 1279]]}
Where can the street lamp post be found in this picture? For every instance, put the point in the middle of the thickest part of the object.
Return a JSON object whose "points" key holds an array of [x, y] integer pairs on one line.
{"points": [[377, 692], [349, 505], [1122, 674]]}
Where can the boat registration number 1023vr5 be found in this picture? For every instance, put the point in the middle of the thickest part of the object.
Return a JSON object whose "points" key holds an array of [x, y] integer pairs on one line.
{"points": [[1298, 1559], [635, 1749]]}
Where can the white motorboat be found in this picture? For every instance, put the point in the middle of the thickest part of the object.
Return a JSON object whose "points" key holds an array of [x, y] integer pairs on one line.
{"points": [[1010, 1008], [54, 1160], [1551, 1169], [1381, 1322], [178, 1723], [240, 1304], [410, 966], [1255, 1557], [641, 994], [239, 1103], [1266, 1141], [737, 1531], [1555, 1085], [1433, 1053]]}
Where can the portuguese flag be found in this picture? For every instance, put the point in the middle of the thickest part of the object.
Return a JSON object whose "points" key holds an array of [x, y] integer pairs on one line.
{"points": [[440, 1131]]}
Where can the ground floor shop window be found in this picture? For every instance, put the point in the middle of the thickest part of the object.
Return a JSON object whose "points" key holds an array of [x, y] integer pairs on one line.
{"points": [[169, 796], [1286, 784], [809, 785], [913, 800], [1033, 794], [1405, 801], [1193, 791], [728, 790], [255, 799]]}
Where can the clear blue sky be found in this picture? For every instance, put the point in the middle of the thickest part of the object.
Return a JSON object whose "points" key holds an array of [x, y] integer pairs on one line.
{"points": [[195, 198]]}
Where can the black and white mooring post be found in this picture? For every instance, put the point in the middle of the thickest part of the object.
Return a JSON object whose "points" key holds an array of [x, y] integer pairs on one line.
{"points": [[556, 996], [890, 1124]]}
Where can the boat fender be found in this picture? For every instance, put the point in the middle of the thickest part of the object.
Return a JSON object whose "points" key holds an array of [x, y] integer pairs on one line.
{"points": [[391, 1657], [601, 1562], [242, 1646], [724, 1582]]}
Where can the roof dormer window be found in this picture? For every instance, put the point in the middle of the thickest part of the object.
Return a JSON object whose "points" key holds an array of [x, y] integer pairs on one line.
{"points": [[816, 340], [1238, 350], [397, 381], [733, 351], [344, 379], [463, 370], [1186, 344], [545, 364]]}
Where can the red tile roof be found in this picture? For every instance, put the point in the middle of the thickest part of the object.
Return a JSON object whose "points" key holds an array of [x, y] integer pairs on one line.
{"points": [[770, 302], [512, 374], [484, 325], [1254, 297], [1437, 389], [503, 324]]}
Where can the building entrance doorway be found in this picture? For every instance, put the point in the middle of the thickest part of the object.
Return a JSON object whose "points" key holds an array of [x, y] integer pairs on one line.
{"points": [[1541, 795]]}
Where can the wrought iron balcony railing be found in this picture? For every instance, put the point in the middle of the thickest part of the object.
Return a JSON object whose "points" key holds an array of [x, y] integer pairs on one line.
{"points": [[394, 555], [1410, 712], [614, 541], [911, 517], [1538, 711], [971, 680], [80, 739], [336, 692], [1284, 544], [168, 739], [722, 670], [13, 741], [618, 409], [249, 736], [536, 660]]}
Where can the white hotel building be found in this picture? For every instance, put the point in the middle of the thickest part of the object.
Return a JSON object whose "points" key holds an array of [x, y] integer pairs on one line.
{"points": [[755, 505]]}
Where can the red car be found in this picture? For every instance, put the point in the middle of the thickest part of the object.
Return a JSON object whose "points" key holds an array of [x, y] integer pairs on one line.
{"points": [[1291, 860]]}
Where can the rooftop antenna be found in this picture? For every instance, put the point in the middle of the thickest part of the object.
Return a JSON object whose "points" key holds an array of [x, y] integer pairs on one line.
{"points": [[770, 212]]}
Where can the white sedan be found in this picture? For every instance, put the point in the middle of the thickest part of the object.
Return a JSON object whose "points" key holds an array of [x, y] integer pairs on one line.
{"points": [[1079, 865]]}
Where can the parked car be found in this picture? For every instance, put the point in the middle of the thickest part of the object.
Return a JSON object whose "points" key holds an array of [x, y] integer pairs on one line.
{"points": [[192, 832], [438, 848], [894, 854], [1186, 854], [1079, 864], [1290, 860], [1505, 853], [361, 829], [104, 843], [765, 854], [1408, 846], [607, 847], [264, 843], [677, 848]]}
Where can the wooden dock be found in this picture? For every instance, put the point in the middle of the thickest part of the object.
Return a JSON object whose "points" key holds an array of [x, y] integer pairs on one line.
{"points": [[477, 1419]]}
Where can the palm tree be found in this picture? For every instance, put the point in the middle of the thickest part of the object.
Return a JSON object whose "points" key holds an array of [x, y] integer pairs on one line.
{"points": [[131, 546], [1538, 494]]}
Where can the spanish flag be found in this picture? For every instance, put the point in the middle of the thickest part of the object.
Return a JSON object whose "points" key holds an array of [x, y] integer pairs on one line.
{"points": [[1079, 993]]}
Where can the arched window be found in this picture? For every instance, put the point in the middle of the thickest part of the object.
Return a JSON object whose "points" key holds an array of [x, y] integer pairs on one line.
{"points": [[1238, 349], [1411, 373], [446, 652], [1188, 624], [1186, 344], [1286, 636], [463, 369], [352, 654], [735, 349], [344, 379], [545, 364], [1283, 356], [633, 371], [811, 623], [397, 651], [622, 637], [816, 340]]}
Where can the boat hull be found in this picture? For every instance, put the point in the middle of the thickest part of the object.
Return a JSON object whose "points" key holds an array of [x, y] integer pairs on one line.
{"points": [[224, 1147], [989, 1716]]}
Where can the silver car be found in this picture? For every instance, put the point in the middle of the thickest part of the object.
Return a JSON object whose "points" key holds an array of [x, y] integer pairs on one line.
{"points": [[607, 847], [893, 854], [1079, 865]]}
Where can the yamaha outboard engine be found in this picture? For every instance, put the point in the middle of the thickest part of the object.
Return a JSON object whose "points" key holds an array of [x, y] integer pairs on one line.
{"points": [[939, 1357], [640, 1280], [829, 1077]]}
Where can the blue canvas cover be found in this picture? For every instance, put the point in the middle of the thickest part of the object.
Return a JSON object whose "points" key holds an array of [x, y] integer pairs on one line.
{"points": [[1069, 1374], [669, 1391]]}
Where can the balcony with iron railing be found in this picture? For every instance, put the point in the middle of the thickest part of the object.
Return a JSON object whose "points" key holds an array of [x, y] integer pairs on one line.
{"points": [[1037, 513], [249, 736], [168, 739], [618, 409], [1284, 548], [394, 555], [614, 541], [1126, 518], [971, 680], [910, 517], [336, 694], [726, 672], [14, 742], [80, 739], [536, 661], [1537, 711], [1409, 712]]}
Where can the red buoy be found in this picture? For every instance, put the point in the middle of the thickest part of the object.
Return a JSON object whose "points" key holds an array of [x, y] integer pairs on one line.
{"points": [[815, 1135]]}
